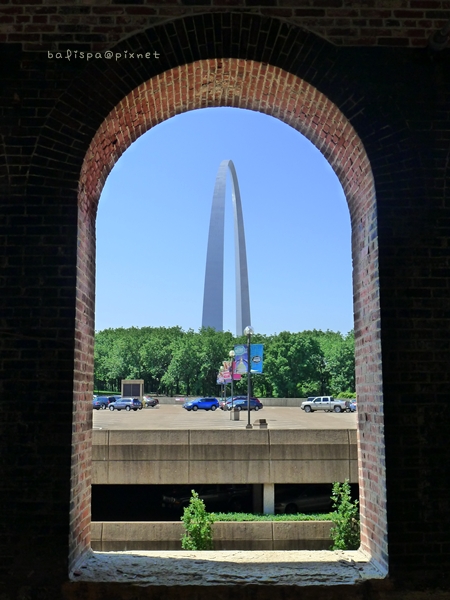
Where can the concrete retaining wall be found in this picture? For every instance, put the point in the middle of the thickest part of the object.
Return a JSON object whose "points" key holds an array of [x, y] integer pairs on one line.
{"points": [[282, 401], [223, 456], [251, 535]]}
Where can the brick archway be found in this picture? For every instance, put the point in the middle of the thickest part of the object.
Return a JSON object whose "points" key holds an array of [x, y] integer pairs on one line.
{"points": [[269, 89]]}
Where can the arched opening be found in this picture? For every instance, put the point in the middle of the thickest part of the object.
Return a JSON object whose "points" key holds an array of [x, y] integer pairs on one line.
{"points": [[296, 222], [264, 88]]}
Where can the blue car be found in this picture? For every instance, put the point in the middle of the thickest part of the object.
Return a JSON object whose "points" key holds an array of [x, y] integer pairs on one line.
{"points": [[204, 403], [126, 403]]}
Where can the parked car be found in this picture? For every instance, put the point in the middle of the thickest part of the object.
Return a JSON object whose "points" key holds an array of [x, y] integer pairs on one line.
{"points": [[126, 403], [352, 406], [240, 403], [216, 497], [203, 403], [326, 403], [102, 402], [226, 404], [295, 499], [149, 401]]}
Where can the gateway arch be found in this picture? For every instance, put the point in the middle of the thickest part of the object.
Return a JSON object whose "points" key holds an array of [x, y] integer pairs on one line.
{"points": [[213, 293]]}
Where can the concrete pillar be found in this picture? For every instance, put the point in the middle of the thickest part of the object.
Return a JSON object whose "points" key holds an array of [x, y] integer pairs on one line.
{"points": [[257, 498], [269, 498]]}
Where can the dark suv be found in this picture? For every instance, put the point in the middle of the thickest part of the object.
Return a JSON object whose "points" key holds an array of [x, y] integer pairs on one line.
{"points": [[126, 403], [150, 401], [240, 403], [102, 402]]}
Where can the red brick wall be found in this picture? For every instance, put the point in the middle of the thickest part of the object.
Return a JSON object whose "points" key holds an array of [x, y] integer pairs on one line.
{"points": [[80, 508], [404, 23], [396, 100], [256, 86]]}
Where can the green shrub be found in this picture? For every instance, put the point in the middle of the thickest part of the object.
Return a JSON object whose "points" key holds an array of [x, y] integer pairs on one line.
{"points": [[345, 533], [240, 517], [197, 525], [346, 395]]}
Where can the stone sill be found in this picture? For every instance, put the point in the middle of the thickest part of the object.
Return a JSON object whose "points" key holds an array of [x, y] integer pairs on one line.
{"points": [[227, 568]]}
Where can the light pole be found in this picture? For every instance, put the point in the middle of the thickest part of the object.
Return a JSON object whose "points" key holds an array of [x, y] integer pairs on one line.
{"points": [[231, 355], [248, 331], [221, 384]]}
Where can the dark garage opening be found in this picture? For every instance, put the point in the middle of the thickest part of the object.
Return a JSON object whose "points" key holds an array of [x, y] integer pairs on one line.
{"points": [[150, 502]]}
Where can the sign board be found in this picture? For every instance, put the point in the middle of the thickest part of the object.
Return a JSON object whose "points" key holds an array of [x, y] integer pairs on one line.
{"points": [[133, 388]]}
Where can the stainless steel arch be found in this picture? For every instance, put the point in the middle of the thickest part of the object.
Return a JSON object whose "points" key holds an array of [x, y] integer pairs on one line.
{"points": [[213, 292]]}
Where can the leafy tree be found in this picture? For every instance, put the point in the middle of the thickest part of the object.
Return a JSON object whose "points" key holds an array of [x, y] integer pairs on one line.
{"points": [[171, 360], [214, 347], [345, 533], [336, 363], [112, 357], [184, 369], [343, 367], [197, 524], [156, 353], [320, 382], [103, 344], [346, 395], [289, 364]]}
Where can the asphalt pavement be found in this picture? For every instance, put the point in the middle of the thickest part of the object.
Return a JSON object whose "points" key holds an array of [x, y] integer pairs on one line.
{"points": [[166, 416]]}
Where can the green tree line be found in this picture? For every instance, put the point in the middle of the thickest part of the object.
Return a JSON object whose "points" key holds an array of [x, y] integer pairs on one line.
{"points": [[172, 361]]}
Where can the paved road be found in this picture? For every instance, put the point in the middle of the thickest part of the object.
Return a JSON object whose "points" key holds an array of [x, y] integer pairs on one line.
{"points": [[166, 416]]}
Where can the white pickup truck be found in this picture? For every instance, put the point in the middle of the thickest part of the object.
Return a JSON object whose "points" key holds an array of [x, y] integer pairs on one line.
{"points": [[326, 403]]}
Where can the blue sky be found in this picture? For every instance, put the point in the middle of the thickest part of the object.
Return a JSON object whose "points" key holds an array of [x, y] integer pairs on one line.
{"points": [[153, 220]]}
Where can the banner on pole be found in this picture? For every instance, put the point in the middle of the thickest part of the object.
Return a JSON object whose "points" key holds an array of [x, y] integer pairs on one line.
{"points": [[240, 353], [256, 358], [226, 376], [236, 376]]}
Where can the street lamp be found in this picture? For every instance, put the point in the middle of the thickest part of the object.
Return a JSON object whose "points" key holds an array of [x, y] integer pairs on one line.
{"points": [[221, 384], [231, 355], [248, 331]]}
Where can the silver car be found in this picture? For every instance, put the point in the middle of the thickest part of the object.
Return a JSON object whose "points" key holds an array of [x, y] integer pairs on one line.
{"points": [[126, 404]]}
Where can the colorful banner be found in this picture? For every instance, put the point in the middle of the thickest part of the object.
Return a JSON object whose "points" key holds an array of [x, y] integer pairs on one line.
{"points": [[226, 376], [236, 376], [256, 358], [228, 367], [232, 369], [240, 357]]}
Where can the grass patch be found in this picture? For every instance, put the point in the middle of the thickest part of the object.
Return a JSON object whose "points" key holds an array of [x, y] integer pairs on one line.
{"points": [[251, 517]]}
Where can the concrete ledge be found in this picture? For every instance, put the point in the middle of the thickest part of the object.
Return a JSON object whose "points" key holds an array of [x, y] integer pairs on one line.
{"points": [[224, 456], [265, 571], [248, 535]]}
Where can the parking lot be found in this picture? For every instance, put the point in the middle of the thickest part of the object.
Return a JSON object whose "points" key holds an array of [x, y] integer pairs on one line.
{"points": [[166, 416]]}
